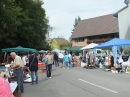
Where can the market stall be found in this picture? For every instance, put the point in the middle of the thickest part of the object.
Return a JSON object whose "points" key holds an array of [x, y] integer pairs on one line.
{"points": [[18, 49], [89, 46], [42, 51], [75, 48], [56, 50], [115, 45]]}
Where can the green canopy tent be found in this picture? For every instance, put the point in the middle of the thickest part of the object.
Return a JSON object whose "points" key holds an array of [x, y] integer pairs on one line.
{"points": [[75, 48], [18, 49]]}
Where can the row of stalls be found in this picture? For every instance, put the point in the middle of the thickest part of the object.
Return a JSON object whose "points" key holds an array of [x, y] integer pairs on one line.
{"points": [[115, 45], [114, 51]]}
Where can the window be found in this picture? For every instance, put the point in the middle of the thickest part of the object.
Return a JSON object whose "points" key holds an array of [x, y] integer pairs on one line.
{"points": [[79, 40], [112, 36]]}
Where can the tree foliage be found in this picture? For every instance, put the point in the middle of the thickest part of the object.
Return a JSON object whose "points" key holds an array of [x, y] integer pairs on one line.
{"points": [[23, 23], [64, 45], [76, 22]]}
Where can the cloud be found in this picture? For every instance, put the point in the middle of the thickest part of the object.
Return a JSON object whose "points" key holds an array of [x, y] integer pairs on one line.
{"points": [[62, 13]]}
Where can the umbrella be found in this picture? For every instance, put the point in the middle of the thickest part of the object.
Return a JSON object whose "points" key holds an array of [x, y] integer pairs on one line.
{"points": [[42, 51]]}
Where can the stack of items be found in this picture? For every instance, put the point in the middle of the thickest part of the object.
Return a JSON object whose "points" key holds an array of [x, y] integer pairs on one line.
{"points": [[41, 67], [128, 69]]}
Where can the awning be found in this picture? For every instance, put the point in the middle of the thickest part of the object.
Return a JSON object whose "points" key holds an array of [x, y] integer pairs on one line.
{"points": [[89, 46], [75, 48], [18, 49]]}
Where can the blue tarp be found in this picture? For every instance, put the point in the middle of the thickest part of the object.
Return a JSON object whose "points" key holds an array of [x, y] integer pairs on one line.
{"points": [[115, 44]]}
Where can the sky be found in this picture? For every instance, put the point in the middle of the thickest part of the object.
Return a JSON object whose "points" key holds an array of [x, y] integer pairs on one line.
{"points": [[62, 13]]}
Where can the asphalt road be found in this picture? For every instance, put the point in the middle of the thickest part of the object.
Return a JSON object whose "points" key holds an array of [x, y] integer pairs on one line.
{"points": [[80, 82]]}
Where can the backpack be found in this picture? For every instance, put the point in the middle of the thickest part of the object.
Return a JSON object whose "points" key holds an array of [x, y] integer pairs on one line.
{"points": [[45, 61]]}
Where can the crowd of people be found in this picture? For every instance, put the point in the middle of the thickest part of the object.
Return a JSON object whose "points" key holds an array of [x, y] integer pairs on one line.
{"points": [[62, 60], [107, 59], [30, 60]]}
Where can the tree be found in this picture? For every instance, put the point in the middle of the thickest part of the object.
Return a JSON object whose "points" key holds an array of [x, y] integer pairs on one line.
{"points": [[64, 45], [76, 22], [23, 23]]}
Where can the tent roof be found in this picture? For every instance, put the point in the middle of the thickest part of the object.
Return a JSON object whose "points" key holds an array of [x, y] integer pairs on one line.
{"points": [[18, 49], [75, 48], [42, 51], [56, 50], [114, 42], [91, 45]]}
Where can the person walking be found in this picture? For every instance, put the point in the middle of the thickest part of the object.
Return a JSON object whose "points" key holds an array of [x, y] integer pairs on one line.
{"points": [[70, 61], [56, 62], [48, 60], [24, 59], [18, 70], [66, 61], [33, 66], [61, 56]]}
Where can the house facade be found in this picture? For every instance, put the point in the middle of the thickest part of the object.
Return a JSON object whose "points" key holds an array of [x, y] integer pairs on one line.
{"points": [[123, 16], [59, 43], [95, 30]]}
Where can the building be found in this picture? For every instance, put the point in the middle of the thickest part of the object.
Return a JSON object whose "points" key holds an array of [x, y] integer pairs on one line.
{"points": [[123, 16], [95, 30], [59, 43]]}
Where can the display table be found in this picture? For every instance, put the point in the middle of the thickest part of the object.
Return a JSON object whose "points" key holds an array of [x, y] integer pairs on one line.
{"points": [[13, 86]]}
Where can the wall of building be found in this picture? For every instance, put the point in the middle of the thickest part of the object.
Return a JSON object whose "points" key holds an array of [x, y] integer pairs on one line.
{"points": [[96, 39], [124, 23], [79, 43], [54, 44]]}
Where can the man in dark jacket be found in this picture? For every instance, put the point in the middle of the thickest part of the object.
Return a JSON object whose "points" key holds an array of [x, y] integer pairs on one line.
{"points": [[33, 66], [56, 62]]}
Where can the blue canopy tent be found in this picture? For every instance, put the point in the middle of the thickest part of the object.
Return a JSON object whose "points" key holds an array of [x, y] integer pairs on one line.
{"points": [[115, 44]]}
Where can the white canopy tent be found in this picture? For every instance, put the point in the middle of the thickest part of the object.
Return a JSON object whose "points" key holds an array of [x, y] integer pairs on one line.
{"points": [[56, 50], [89, 46]]}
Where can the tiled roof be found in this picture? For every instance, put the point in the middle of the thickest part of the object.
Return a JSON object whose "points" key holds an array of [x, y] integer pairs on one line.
{"points": [[96, 26]]}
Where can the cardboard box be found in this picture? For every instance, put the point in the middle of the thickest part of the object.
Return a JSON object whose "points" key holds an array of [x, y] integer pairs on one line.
{"points": [[39, 71], [113, 68]]}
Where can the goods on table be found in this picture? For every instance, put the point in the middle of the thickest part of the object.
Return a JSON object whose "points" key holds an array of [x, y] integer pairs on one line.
{"points": [[128, 70]]}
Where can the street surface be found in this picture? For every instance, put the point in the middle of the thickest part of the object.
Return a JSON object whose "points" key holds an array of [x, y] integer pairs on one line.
{"points": [[80, 82]]}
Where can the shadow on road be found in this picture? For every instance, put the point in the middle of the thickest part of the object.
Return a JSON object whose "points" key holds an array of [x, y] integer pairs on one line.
{"points": [[53, 69], [56, 75]]}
